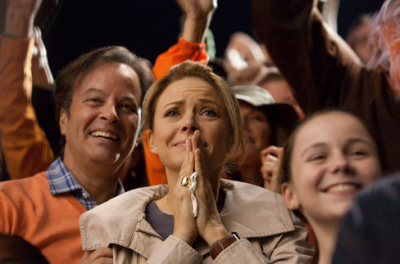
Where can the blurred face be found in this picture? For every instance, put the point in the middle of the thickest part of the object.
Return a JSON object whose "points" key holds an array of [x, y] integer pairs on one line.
{"points": [[103, 116], [361, 47], [257, 134], [281, 92], [333, 158], [185, 106]]}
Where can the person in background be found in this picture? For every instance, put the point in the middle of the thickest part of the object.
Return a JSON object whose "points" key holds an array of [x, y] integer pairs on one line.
{"points": [[23, 143], [274, 82], [266, 125], [358, 37], [15, 250], [327, 160], [194, 126], [369, 233], [323, 71]]}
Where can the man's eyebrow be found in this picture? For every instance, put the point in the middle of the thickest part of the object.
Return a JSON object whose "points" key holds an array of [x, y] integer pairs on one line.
{"points": [[90, 90]]}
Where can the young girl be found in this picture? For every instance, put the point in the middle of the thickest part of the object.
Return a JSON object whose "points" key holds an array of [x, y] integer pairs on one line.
{"points": [[328, 159]]}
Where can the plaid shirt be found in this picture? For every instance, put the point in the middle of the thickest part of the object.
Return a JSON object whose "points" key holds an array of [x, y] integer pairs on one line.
{"points": [[62, 181]]}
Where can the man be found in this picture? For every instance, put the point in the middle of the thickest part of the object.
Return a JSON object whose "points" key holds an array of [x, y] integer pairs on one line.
{"points": [[98, 97]]}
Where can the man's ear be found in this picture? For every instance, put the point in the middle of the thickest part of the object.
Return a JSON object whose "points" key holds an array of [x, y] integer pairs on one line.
{"points": [[63, 121], [150, 141], [289, 196]]}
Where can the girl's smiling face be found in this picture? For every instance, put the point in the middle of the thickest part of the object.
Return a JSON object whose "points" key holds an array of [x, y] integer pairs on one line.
{"points": [[333, 157]]}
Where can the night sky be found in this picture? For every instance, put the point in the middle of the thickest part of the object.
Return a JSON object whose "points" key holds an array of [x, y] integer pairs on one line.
{"points": [[150, 27]]}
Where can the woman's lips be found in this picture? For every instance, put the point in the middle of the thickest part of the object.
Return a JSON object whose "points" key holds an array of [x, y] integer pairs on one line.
{"points": [[181, 143]]}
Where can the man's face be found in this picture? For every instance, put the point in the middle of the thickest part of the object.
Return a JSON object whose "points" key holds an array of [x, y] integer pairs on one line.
{"points": [[103, 117]]}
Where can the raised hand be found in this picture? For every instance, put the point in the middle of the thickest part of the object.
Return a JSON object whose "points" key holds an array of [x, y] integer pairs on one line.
{"points": [[20, 16], [271, 163], [197, 9], [198, 17], [41, 73]]}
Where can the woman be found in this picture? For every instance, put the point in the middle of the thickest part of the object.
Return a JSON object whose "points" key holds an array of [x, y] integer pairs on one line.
{"points": [[194, 124], [266, 125], [328, 159]]}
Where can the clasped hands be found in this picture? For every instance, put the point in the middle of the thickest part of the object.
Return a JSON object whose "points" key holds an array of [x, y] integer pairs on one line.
{"points": [[208, 223]]}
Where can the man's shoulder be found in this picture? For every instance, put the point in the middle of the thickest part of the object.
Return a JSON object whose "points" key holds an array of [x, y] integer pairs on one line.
{"points": [[25, 185]]}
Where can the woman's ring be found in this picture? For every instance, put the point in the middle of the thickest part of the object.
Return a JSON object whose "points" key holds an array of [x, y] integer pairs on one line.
{"points": [[185, 182]]}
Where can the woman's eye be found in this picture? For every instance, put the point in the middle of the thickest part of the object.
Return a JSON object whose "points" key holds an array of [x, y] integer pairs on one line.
{"points": [[210, 113], [171, 113]]}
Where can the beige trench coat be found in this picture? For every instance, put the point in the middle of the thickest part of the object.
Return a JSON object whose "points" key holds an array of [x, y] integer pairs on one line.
{"points": [[269, 232]]}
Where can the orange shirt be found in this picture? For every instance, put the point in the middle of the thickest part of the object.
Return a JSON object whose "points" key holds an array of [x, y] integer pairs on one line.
{"points": [[178, 53], [49, 222]]}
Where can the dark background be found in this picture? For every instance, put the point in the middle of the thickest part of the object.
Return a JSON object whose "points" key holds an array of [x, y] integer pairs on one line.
{"points": [[147, 27]]}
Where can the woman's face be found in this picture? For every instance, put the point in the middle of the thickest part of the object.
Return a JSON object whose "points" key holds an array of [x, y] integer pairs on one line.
{"points": [[257, 134], [185, 106], [333, 157]]}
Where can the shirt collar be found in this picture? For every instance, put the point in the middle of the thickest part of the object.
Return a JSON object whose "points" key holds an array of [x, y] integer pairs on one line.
{"points": [[62, 181]]}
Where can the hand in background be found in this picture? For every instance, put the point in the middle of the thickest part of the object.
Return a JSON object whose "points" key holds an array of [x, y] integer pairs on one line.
{"points": [[198, 17], [271, 164], [41, 73], [20, 16]]}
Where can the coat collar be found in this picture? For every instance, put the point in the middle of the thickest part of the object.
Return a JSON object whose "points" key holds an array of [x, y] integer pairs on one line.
{"points": [[122, 220]]}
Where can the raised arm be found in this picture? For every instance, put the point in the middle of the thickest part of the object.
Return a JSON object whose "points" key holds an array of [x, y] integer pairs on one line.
{"points": [[23, 143], [191, 46], [313, 59]]}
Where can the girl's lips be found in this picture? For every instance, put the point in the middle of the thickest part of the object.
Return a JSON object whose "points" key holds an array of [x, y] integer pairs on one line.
{"points": [[343, 188]]}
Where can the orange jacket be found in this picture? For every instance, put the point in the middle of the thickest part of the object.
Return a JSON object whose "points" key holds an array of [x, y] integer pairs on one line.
{"points": [[24, 144]]}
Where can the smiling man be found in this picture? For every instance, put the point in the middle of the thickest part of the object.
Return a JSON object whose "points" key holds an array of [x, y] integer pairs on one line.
{"points": [[97, 99]]}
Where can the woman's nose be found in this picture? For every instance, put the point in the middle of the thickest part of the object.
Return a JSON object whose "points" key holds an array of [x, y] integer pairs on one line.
{"points": [[189, 124]]}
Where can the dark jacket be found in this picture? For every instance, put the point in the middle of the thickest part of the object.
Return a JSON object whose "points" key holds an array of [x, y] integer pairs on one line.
{"points": [[324, 73]]}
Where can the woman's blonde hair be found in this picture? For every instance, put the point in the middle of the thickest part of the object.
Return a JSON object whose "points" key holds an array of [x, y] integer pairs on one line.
{"points": [[195, 69]]}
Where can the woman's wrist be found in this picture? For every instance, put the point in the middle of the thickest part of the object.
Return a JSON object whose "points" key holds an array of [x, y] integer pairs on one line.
{"points": [[214, 234]]}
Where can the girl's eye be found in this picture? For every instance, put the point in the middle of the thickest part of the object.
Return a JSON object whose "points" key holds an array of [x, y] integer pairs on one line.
{"points": [[317, 157], [210, 113], [358, 153]]}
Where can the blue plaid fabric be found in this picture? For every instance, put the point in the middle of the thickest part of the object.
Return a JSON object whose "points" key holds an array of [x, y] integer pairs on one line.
{"points": [[62, 181]]}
